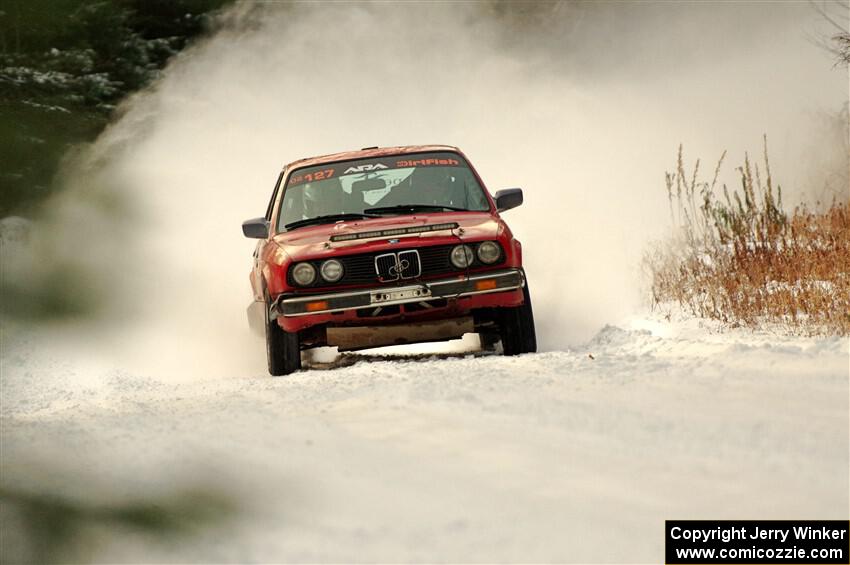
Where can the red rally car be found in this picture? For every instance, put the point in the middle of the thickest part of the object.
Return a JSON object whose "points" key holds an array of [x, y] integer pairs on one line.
{"points": [[386, 246]]}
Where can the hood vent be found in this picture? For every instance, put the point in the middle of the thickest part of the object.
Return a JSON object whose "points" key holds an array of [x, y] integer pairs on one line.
{"points": [[394, 232]]}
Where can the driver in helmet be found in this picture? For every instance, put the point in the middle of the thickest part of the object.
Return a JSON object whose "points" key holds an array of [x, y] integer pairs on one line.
{"points": [[322, 198]]}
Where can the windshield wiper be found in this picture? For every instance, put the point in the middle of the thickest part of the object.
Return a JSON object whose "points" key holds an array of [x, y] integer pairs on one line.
{"points": [[411, 208], [327, 219]]}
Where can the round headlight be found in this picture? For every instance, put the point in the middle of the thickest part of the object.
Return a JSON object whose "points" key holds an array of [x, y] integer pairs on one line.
{"points": [[489, 252], [304, 274], [462, 256], [331, 270]]}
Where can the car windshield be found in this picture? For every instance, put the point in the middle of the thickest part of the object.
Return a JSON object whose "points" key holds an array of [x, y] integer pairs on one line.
{"points": [[396, 184]]}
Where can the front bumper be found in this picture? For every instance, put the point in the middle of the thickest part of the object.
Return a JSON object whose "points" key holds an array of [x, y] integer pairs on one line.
{"points": [[456, 287]]}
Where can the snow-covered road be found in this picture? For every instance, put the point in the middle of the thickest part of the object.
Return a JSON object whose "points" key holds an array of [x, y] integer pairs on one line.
{"points": [[557, 456]]}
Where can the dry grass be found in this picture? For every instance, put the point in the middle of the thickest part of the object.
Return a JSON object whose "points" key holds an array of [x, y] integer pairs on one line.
{"points": [[741, 259]]}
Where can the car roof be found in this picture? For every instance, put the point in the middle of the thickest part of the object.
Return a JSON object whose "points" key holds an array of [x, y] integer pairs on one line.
{"points": [[369, 153]]}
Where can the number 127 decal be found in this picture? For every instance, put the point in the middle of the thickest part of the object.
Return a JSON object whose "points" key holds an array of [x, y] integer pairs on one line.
{"points": [[310, 177]]}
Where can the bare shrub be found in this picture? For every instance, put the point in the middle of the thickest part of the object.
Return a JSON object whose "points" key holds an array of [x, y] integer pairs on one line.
{"points": [[741, 259]]}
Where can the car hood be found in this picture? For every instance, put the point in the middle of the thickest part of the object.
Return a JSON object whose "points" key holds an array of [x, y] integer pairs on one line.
{"points": [[315, 241]]}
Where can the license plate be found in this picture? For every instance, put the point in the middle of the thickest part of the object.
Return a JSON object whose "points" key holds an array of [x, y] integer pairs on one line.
{"points": [[391, 295]]}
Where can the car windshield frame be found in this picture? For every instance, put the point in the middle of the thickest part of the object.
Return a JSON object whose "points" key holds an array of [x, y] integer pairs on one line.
{"points": [[451, 166]]}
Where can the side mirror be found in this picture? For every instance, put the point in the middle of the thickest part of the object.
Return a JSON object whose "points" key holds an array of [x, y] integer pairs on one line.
{"points": [[508, 198], [257, 228]]}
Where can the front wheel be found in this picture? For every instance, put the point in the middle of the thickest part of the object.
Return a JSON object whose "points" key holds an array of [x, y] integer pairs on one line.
{"points": [[516, 327], [283, 348]]}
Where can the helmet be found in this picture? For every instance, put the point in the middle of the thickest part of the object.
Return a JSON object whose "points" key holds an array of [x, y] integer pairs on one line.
{"points": [[310, 199], [322, 197]]}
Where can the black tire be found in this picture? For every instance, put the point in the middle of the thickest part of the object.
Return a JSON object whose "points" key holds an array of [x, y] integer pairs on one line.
{"points": [[283, 349], [517, 327]]}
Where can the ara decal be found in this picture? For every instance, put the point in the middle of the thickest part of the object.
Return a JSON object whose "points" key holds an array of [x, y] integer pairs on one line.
{"points": [[366, 167]]}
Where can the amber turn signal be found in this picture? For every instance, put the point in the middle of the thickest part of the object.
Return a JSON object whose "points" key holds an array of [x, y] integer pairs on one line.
{"points": [[488, 284]]}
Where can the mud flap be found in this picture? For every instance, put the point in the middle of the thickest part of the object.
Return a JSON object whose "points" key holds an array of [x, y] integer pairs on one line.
{"points": [[256, 318]]}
